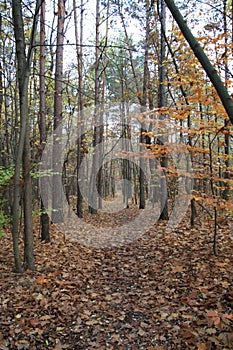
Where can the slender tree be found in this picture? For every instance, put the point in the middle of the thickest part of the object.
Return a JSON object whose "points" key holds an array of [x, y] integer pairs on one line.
{"points": [[80, 141], [57, 215], [161, 103], [23, 148], [226, 174], [1, 81], [144, 100], [45, 234], [97, 129]]}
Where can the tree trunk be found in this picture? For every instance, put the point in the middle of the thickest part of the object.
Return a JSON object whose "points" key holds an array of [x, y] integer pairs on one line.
{"points": [[96, 138], [44, 219], [142, 179], [2, 162], [80, 141], [23, 147], [57, 215], [27, 201], [226, 175], [161, 103]]}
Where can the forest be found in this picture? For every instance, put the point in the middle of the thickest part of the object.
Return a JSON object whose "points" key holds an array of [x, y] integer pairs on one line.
{"points": [[116, 174]]}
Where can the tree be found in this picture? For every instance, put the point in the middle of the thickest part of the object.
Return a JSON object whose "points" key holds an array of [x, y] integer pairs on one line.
{"points": [[1, 79], [226, 174], [45, 235], [80, 141], [23, 148], [162, 97], [203, 59], [97, 127], [57, 215]]}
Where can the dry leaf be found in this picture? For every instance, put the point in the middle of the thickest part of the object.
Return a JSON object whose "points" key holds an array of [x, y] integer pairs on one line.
{"points": [[141, 332], [41, 280], [226, 338], [177, 268]]}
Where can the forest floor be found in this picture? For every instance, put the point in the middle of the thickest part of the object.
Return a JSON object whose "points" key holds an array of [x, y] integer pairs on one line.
{"points": [[163, 291]]}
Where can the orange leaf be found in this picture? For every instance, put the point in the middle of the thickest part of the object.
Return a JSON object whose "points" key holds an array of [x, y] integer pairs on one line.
{"points": [[41, 280], [201, 346], [212, 313], [228, 316]]}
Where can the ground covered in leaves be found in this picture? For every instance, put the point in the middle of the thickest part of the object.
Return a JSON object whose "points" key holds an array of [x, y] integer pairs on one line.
{"points": [[163, 291]]}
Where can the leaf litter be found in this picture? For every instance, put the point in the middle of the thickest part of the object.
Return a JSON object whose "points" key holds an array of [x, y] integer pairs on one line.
{"points": [[163, 291]]}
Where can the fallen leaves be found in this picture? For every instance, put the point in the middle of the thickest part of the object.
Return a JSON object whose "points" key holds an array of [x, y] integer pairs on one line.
{"points": [[162, 292]]}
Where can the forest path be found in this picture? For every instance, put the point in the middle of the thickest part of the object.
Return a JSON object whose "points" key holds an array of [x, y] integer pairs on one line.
{"points": [[162, 291]]}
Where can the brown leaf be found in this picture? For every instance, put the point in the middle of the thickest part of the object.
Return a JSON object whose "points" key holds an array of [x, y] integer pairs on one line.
{"points": [[33, 322], [226, 338], [41, 280], [178, 268], [212, 313], [59, 345], [141, 332]]}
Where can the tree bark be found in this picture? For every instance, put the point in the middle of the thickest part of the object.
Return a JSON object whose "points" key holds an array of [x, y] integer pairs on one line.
{"points": [[44, 219], [80, 141], [97, 128], [226, 175], [57, 215], [161, 103], [142, 178], [23, 147], [1, 88], [27, 201]]}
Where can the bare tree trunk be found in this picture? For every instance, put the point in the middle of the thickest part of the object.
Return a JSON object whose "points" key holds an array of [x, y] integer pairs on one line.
{"points": [[27, 201], [193, 202], [161, 103], [96, 137], [1, 88], [226, 175], [102, 100], [45, 234], [57, 215], [142, 201], [23, 148], [80, 141]]}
